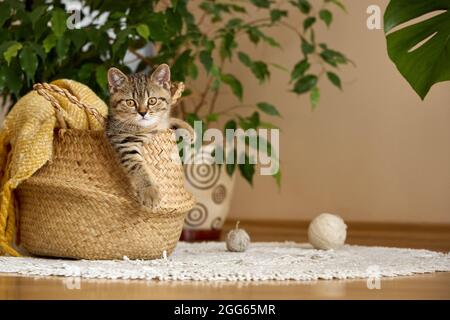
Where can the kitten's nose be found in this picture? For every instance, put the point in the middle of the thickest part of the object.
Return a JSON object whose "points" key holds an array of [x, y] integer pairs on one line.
{"points": [[142, 113]]}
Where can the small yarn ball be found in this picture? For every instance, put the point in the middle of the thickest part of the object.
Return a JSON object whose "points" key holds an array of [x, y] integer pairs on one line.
{"points": [[327, 231], [237, 240]]}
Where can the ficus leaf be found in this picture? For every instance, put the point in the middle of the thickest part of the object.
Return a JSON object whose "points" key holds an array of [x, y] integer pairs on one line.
{"points": [[234, 84], [62, 47], [191, 118], [120, 41], [180, 68], [259, 68], [143, 30], [212, 117], [206, 60], [268, 125], [277, 14], [261, 3], [334, 79], [337, 3], [277, 177], [4, 14], [78, 38], [307, 48], [234, 23], [333, 57], [13, 77], [37, 13], [12, 51], [308, 23], [49, 42], [39, 50], [299, 69], [85, 72], [227, 45], [326, 16], [245, 59], [251, 122], [247, 170], [28, 62], [101, 77], [231, 124], [238, 8], [305, 84], [255, 35], [314, 97], [192, 70], [230, 168], [59, 20], [268, 109], [303, 5]]}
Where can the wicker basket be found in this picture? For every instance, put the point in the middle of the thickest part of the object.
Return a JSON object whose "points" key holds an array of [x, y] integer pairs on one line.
{"points": [[81, 205]]}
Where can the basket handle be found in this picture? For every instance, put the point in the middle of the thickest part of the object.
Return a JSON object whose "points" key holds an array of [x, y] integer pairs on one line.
{"points": [[176, 123], [44, 88]]}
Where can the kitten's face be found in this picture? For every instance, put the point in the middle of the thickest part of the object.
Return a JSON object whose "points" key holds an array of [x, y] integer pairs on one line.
{"points": [[140, 100]]}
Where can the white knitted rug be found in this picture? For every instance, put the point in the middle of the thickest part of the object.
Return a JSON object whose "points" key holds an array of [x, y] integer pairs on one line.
{"points": [[262, 261]]}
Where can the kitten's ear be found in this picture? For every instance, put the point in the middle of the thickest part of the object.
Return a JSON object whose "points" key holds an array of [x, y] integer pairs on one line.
{"points": [[116, 78], [161, 76]]}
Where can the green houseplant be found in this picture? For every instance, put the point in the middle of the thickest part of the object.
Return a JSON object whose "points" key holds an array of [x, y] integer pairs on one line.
{"points": [[421, 51], [41, 41], [36, 45]]}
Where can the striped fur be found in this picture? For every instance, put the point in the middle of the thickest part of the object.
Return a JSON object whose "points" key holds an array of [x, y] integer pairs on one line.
{"points": [[139, 106]]}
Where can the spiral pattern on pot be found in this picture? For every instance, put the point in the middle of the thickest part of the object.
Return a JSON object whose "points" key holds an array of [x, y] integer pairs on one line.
{"points": [[202, 176], [217, 223], [197, 216], [219, 194]]}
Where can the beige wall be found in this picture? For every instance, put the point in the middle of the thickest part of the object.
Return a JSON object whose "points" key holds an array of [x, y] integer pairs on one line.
{"points": [[374, 152]]}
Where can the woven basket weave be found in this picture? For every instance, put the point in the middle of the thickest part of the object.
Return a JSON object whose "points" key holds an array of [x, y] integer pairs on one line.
{"points": [[81, 204]]}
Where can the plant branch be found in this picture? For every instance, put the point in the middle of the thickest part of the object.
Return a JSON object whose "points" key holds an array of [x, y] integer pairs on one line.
{"points": [[239, 106], [291, 27], [204, 95], [183, 109], [213, 101], [202, 19], [146, 60], [216, 92]]}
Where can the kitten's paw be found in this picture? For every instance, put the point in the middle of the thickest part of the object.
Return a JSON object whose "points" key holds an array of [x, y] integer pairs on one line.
{"points": [[149, 197]]}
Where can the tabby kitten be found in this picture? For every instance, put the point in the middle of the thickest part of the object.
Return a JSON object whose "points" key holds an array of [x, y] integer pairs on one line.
{"points": [[139, 106]]}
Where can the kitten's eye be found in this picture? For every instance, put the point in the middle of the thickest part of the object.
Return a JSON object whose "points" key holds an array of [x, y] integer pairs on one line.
{"points": [[130, 103], [152, 101]]}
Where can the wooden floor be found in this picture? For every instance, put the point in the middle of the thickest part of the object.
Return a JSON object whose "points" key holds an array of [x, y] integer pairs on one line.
{"points": [[430, 286]]}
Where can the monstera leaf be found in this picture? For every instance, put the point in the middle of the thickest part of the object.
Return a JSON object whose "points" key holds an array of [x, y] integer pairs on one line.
{"points": [[421, 51]]}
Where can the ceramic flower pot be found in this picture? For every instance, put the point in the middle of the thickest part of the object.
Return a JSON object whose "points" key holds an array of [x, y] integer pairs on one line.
{"points": [[212, 188]]}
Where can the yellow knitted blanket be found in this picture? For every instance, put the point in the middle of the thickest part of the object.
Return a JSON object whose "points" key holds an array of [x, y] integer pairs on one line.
{"points": [[26, 142]]}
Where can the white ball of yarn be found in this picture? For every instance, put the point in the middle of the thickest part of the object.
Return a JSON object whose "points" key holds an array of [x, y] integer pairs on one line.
{"points": [[237, 239], [327, 231]]}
